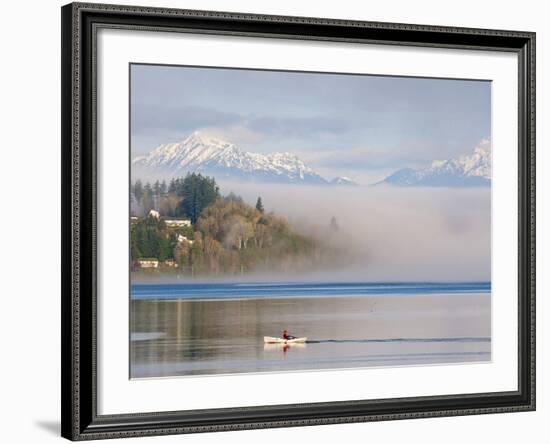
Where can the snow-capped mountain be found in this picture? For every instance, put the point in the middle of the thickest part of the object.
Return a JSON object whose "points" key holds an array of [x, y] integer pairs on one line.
{"points": [[342, 180], [207, 155], [466, 171]]}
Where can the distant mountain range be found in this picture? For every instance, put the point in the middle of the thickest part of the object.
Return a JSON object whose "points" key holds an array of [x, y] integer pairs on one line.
{"points": [[207, 155], [204, 154], [466, 171]]}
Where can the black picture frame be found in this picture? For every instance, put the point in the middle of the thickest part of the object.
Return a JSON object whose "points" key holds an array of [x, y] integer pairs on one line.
{"points": [[80, 420]]}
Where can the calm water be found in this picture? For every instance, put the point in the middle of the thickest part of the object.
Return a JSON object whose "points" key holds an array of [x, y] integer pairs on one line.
{"points": [[302, 290], [196, 329]]}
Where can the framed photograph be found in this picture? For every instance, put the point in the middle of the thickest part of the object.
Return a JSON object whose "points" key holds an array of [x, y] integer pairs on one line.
{"points": [[282, 221]]}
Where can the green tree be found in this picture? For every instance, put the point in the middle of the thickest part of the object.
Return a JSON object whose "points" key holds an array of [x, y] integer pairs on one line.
{"points": [[147, 202], [198, 192], [172, 186], [156, 188], [165, 252], [137, 189], [152, 238], [259, 205], [136, 241]]}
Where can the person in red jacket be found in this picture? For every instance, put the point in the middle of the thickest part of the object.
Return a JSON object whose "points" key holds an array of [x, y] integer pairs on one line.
{"points": [[286, 336]]}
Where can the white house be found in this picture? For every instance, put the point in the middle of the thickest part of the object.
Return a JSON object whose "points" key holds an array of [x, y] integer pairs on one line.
{"points": [[148, 263], [154, 213], [182, 238], [177, 223], [171, 263]]}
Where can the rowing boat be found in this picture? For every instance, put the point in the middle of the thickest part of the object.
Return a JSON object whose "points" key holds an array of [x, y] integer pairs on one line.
{"points": [[271, 340]]}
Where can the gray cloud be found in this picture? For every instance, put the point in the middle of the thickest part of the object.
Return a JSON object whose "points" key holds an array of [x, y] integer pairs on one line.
{"points": [[188, 118], [298, 127], [159, 117]]}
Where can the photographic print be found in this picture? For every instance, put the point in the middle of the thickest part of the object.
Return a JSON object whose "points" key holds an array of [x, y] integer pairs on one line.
{"points": [[275, 221], [298, 221]]}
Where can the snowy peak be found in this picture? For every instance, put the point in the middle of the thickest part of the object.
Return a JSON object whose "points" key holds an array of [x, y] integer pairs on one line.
{"points": [[342, 180], [196, 148], [202, 153], [479, 163], [465, 171]]}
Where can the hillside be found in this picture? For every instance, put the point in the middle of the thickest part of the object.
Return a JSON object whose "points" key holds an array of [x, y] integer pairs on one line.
{"points": [[228, 236]]}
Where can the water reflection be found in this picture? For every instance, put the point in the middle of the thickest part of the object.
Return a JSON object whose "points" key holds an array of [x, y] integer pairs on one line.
{"points": [[185, 337], [283, 347]]}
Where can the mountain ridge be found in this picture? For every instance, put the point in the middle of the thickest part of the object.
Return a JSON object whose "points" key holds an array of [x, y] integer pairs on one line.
{"points": [[201, 153], [472, 170]]}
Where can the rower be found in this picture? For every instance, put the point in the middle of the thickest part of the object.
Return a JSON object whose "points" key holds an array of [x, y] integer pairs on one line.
{"points": [[286, 336]]}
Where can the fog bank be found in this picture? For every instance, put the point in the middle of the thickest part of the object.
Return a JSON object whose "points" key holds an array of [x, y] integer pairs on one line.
{"points": [[391, 234]]}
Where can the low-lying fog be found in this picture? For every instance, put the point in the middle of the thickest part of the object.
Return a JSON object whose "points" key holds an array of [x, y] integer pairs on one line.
{"points": [[396, 234]]}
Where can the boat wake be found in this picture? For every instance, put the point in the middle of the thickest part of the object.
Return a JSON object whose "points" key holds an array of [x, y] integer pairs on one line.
{"points": [[420, 340]]}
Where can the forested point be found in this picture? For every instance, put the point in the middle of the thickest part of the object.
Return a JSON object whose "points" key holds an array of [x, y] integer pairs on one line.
{"points": [[188, 228], [182, 197]]}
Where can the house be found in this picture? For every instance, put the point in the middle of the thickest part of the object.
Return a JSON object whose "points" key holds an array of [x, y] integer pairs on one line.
{"points": [[154, 213], [171, 263], [148, 263], [177, 223], [182, 238]]}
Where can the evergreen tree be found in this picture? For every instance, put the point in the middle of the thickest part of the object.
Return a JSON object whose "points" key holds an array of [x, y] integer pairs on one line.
{"points": [[163, 188], [136, 240], [156, 188], [197, 192], [138, 190], [259, 205], [147, 202], [333, 224], [165, 251], [156, 195], [172, 186]]}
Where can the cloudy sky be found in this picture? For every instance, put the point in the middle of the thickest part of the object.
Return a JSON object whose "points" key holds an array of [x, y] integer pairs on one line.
{"points": [[353, 125]]}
